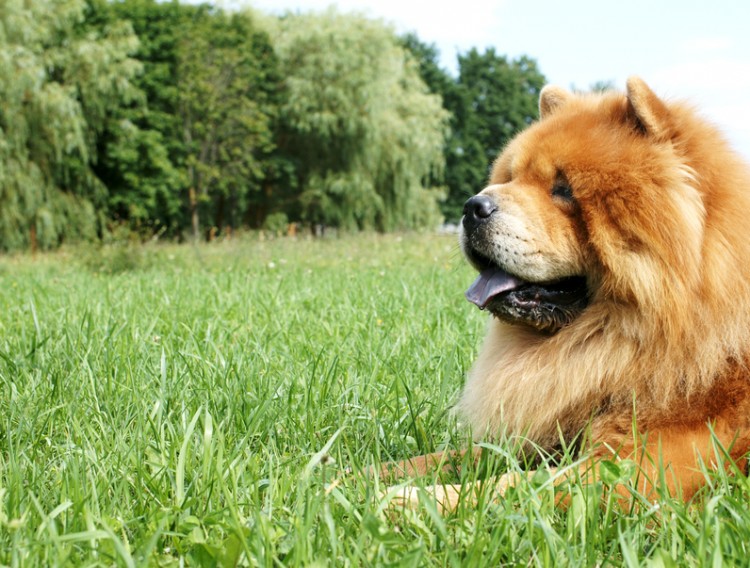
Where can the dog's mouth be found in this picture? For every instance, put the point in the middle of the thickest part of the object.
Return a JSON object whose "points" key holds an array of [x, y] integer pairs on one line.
{"points": [[545, 306]]}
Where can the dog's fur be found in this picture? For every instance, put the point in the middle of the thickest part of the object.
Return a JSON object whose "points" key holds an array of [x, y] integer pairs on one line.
{"points": [[659, 225]]}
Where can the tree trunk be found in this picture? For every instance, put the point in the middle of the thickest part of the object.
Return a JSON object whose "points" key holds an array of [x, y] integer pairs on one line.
{"points": [[32, 238], [220, 212], [194, 214]]}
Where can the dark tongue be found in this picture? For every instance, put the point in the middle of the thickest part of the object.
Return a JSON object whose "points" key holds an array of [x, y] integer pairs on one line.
{"points": [[491, 282]]}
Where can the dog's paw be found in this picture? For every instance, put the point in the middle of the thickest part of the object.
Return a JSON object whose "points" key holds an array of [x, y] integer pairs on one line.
{"points": [[446, 497]]}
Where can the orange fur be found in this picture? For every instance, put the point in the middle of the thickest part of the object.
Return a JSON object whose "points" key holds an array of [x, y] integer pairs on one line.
{"points": [[659, 229]]}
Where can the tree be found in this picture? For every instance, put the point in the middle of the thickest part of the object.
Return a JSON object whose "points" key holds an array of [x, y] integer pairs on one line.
{"points": [[207, 119], [602, 86], [226, 77], [491, 100], [142, 150], [440, 83], [200, 150], [494, 99], [360, 125], [58, 83], [427, 57]]}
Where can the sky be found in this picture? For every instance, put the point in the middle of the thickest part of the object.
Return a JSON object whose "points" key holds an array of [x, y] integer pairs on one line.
{"points": [[684, 49]]}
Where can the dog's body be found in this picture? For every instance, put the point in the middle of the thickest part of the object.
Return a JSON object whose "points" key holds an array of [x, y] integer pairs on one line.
{"points": [[613, 248]]}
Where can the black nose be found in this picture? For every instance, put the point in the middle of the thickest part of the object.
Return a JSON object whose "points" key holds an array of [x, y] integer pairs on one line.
{"points": [[478, 209]]}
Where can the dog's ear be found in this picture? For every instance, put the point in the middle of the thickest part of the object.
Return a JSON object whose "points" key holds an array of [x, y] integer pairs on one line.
{"points": [[551, 98], [649, 112]]}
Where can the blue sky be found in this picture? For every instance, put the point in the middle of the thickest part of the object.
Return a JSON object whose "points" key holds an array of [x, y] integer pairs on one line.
{"points": [[698, 51]]}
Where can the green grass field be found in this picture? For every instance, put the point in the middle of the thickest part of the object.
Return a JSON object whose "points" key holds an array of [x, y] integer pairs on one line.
{"points": [[220, 405]]}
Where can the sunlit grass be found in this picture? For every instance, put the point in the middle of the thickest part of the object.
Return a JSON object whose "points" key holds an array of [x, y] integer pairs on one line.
{"points": [[222, 404]]}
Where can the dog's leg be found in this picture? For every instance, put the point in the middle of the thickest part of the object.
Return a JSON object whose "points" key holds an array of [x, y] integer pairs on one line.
{"points": [[669, 459], [420, 466], [447, 496]]}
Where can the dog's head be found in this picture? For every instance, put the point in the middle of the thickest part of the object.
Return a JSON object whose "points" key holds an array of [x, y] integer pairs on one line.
{"points": [[577, 205]]}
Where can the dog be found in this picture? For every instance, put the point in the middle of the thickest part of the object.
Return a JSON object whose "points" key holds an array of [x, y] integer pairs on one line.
{"points": [[612, 248]]}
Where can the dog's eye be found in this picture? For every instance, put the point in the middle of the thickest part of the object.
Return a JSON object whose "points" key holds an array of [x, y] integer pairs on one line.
{"points": [[563, 191]]}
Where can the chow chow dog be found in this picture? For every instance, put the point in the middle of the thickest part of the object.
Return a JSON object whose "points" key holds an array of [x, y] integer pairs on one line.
{"points": [[612, 245]]}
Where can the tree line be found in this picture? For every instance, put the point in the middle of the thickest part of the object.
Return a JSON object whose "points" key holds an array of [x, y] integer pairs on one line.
{"points": [[179, 120]]}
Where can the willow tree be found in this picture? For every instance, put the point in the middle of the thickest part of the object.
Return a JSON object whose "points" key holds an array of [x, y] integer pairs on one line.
{"points": [[359, 122], [57, 82]]}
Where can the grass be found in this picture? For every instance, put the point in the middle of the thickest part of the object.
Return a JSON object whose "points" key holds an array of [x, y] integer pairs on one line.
{"points": [[220, 405]]}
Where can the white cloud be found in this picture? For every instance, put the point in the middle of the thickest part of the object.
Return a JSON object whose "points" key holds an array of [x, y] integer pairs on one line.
{"points": [[703, 45], [707, 75], [719, 87], [734, 121]]}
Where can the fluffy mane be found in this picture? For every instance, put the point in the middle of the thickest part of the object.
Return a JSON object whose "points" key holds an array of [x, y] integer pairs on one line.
{"points": [[663, 206]]}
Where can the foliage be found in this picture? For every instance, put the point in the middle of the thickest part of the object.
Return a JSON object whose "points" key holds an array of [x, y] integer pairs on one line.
{"points": [[139, 149], [427, 57], [490, 101], [601, 86], [59, 83], [220, 405], [494, 99], [165, 118], [362, 128], [198, 145], [226, 78], [276, 223]]}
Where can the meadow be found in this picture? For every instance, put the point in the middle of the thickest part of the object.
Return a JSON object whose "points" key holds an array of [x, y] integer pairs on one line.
{"points": [[221, 405]]}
